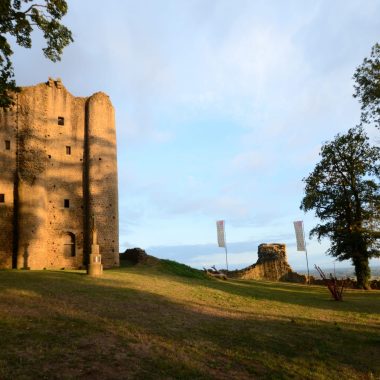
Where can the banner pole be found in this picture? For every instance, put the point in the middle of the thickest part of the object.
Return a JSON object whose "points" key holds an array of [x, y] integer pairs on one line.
{"points": [[225, 246], [307, 260]]}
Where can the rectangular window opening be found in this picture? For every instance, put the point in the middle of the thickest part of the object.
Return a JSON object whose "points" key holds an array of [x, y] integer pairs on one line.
{"points": [[66, 203], [68, 150], [2, 198], [7, 145], [61, 120]]}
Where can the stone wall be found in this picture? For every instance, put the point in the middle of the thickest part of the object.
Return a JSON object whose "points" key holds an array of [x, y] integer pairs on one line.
{"points": [[7, 179], [272, 264], [51, 184], [102, 172]]}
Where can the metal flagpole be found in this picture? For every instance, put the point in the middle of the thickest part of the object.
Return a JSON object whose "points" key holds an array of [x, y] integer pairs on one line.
{"points": [[225, 246], [307, 260]]}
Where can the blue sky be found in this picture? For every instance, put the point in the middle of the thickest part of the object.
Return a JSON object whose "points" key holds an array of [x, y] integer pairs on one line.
{"points": [[221, 110]]}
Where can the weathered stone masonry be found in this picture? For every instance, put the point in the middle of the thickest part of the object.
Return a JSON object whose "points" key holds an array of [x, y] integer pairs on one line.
{"points": [[57, 169], [272, 264]]}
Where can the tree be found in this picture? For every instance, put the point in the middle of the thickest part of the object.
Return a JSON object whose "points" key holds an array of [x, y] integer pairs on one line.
{"points": [[344, 191], [17, 19], [367, 87]]}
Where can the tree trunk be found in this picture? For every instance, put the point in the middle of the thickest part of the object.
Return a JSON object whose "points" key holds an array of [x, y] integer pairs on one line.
{"points": [[363, 272]]}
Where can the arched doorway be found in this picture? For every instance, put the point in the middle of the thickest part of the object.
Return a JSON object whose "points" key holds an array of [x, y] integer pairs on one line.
{"points": [[69, 245]]}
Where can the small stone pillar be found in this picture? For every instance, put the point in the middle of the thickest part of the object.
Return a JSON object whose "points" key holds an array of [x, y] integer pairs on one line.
{"points": [[95, 267]]}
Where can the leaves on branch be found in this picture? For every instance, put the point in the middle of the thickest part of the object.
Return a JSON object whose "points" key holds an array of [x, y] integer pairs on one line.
{"points": [[18, 19], [367, 87], [344, 192]]}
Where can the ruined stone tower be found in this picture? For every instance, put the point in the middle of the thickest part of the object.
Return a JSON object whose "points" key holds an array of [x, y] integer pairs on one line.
{"points": [[58, 169], [272, 264]]}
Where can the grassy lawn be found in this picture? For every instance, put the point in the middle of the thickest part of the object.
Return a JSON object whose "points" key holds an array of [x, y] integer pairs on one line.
{"points": [[164, 321]]}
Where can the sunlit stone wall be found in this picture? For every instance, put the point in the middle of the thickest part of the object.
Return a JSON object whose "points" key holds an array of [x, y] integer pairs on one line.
{"points": [[272, 264], [7, 179], [51, 184]]}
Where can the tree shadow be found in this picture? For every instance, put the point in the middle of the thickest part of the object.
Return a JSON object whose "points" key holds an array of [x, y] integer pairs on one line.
{"points": [[84, 327], [314, 296]]}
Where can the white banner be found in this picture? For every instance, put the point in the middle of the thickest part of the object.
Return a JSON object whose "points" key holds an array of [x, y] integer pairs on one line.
{"points": [[298, 228], [220, 232]]}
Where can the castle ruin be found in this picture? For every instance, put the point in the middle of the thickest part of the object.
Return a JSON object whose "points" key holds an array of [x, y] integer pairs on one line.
{"points": [[58, 169], [272, 264]]}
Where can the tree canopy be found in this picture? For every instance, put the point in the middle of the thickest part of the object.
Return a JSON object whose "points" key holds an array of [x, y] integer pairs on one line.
{"points": [[18, 18], [344, 192], [367, 87]]}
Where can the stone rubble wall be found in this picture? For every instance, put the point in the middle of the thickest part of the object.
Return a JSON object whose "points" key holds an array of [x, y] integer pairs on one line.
{"points": [[272, 264]]}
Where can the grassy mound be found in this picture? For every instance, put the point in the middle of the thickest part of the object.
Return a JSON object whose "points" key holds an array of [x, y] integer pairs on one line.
{"points": [[181, 270], [166, 320], [141, 258]]}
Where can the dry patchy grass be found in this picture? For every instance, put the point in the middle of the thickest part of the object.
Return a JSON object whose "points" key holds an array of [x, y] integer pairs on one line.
{"points": [[163, 321]]}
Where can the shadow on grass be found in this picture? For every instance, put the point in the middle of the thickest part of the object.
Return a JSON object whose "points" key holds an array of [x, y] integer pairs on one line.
{"points": [[61, 325], [303, 295], [297, 294]]}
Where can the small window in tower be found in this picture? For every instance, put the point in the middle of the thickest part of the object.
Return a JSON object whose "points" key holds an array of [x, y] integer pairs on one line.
{"points": [[7, 145], [61, 120], [69, 245], [2, 198], [66, 203], [68, 150]]}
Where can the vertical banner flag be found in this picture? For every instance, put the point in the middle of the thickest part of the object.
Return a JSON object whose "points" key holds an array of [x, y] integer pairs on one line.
{"points": [[300, 237], [220, 232]]}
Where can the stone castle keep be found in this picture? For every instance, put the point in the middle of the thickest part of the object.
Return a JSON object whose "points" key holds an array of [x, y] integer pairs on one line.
{"points": [[58, 172]]}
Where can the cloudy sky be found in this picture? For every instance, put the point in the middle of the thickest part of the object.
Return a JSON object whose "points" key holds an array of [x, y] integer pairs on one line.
{"points": [[221, 107]]}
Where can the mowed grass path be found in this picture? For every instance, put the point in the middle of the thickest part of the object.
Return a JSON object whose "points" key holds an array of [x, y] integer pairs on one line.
{"points": [[165, 321]]}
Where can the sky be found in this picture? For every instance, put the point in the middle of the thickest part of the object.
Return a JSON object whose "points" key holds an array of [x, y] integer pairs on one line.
{"points": [[221, 110]]}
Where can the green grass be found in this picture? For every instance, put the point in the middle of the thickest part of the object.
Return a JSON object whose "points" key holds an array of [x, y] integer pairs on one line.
{"points": [[165, 320]]}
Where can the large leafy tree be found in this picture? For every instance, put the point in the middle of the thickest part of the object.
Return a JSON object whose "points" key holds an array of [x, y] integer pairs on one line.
{"points": [[344, 192], [18, 18], [367, 86]]}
